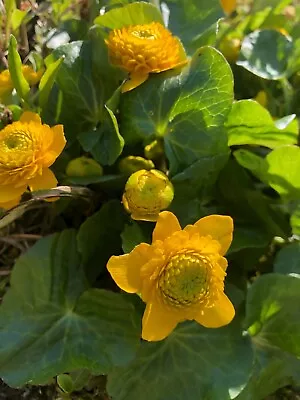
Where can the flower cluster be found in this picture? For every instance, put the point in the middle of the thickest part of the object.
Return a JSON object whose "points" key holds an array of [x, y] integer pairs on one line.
{"points": [[180, 276], [27, 149]]}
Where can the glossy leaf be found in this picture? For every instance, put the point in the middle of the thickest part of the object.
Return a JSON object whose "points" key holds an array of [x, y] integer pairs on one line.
{"points": [[265, 53], [193, 362], [272, 312], [137, 13], [250, 123], [50, 322]]}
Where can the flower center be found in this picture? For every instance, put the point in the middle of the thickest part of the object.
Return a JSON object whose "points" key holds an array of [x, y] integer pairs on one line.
{"points": [[144, 34], [16, 149], [186, 279]]}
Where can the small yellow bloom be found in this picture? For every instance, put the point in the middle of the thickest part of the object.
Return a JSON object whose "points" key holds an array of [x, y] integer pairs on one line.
{"points": [[262, 98], [180, 276], [27, 149], [228, 5], [144, 49], [146, 194], [31, 76], [6, 83]]}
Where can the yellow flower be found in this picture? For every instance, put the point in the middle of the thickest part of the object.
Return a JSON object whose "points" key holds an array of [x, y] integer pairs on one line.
{"points": [[31, 76], [228, 5], [146, 194], [180, 276], [6, 83], [144, 49], [262, 98], [27, 149]]}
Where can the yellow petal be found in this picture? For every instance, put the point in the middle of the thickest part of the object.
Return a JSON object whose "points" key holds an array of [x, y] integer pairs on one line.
{"points": [[59, 140], [29, 116], [45, 181], [9, 204], [125, 270], [57, 145], [219, 227], [167, 224], [134, 81], [158, 321], [9, 193], [228, 5], [222, 313]]}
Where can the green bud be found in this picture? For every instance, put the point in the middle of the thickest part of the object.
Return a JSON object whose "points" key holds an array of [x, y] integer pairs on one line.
{"points": [[131, 164], [84, 166]]}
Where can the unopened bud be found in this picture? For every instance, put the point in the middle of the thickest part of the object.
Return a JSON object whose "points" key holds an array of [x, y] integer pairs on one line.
{"points": [[146, 194], [84, 166], [131, 164]]}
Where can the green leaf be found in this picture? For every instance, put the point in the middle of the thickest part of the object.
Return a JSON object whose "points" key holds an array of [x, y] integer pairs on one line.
{"points": [[84, 82], [277, 5], [287, 260], [192, 20], [47, 81], [272, 311], [193, 187], [247, 205], [188, 110], [295, 219], [248, 237], [17, 18], [192, 363], [105, 143], [273, 369], [131, 14], [15, 69], [265, 53], [103, 230], [250, 123], [280, 169], [132, 235], [51, 323]]}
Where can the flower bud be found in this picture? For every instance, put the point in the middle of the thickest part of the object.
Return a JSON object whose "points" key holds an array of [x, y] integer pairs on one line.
{"points": [[154, 150], [230, 47], [131, 164], [84, 166], [146, 194]]}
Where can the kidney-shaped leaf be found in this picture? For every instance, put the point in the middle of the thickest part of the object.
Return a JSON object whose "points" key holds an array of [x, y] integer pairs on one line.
{"points": [[266, 53], [250, 123], [273, 313], [188, 110], [192, 363], [51, 323]]}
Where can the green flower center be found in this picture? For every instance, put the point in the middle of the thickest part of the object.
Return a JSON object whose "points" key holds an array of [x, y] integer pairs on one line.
{"points": [[186, 279], [144, 34], [16, 150]]}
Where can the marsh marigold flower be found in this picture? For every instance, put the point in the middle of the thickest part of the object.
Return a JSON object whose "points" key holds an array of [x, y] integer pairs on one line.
{"points": [[180, 276], [146, 194], [144, 49], [6, 83], [228, 5], [27, 149]]}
